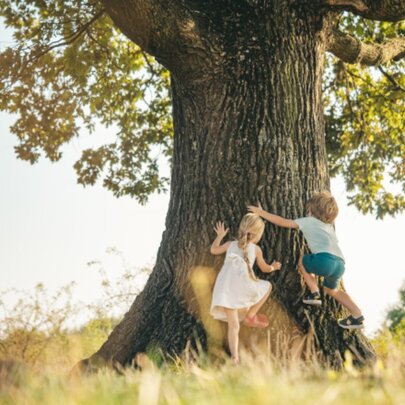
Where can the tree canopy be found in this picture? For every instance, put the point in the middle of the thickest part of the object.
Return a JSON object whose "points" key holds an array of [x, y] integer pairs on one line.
{"points": [[68, 68]]}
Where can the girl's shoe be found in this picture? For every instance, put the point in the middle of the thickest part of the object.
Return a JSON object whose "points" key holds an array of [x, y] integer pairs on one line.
{"points": [[352, 323], [313, 298], [255, 322], [263, 318]]}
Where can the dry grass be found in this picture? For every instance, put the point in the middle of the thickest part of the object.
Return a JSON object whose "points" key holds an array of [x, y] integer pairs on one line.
{"points": [[196, 380], [272, 371]]}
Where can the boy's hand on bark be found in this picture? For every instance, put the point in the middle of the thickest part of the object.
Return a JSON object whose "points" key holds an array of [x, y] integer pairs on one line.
{"points": [[220, 229], [258, 210], [276, 265]]}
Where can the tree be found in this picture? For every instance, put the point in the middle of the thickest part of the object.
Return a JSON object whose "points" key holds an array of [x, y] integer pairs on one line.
{"points": [[396, 314], [246, 90]]}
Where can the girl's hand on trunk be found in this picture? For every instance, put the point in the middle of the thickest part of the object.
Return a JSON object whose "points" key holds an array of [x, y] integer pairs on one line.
{"points": [[220, 229], [276, 265]]}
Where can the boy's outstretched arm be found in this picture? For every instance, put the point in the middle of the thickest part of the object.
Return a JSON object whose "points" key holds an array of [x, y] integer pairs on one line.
{"points": [[275, 219], [216, 247], [263, 266]]}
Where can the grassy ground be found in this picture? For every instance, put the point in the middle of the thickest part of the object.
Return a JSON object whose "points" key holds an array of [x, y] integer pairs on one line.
{"points": [[256, 381], [42, 358]]}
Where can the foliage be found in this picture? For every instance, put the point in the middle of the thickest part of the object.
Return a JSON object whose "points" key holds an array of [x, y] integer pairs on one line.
{"points": [[388, 341], [364, 111], [396, 315], [118, 294], [391, 338], [69, 67], [37, 318]]}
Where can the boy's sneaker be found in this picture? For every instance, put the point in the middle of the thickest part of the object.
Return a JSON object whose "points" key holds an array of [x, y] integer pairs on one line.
{"points": [[313, 298], [352, 323]]}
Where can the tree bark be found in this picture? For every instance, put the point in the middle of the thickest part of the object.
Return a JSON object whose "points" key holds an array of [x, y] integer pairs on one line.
{"points": [[250, 128], [379, 10]]}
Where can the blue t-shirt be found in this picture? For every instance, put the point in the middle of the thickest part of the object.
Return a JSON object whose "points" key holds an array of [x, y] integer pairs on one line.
{"points": [[321, 237]]}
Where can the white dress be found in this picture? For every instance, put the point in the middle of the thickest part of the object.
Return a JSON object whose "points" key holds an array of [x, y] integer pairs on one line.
{"points": [[233, 287]]}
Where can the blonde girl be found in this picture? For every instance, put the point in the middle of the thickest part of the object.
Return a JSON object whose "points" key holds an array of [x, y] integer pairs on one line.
{"points": [[238, 294]]}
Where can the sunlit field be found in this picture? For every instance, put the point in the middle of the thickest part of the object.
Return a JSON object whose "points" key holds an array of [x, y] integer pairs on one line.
{"points": [[256, 381], [38, 352]]}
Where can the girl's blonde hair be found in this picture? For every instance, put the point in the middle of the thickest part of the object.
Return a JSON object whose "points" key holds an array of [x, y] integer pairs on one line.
{"points": [[250, 228], [323, 206]]}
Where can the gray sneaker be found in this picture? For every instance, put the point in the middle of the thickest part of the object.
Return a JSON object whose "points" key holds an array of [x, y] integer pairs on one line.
{"points": [[352, 323], [313, 298]]}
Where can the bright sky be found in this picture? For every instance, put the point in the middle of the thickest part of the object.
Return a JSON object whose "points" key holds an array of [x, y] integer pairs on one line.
{"points": [[50, 227]]}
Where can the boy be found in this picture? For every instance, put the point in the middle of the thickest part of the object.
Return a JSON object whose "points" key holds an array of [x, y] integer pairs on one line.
{"points": [[326, 258]]}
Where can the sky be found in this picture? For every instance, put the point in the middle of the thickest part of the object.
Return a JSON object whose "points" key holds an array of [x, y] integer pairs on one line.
{"points": [[51, 227]]}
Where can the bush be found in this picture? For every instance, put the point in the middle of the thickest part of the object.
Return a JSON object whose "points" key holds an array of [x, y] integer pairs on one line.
{"points": [[41, 328]]}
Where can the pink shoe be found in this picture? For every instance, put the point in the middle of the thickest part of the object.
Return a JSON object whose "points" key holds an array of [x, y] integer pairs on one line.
{"points": [[263, 318], [255, 322]]}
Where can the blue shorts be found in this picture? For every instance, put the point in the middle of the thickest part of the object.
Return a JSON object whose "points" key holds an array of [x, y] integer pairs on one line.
{"points": [[329, 266]]}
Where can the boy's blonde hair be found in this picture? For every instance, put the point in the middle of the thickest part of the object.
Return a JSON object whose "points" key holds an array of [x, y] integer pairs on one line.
{"points": [[250, 228], [323, 206]]}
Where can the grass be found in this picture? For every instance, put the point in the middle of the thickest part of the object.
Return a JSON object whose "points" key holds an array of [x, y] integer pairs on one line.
{"points": [[256, 381], [38, 373]]}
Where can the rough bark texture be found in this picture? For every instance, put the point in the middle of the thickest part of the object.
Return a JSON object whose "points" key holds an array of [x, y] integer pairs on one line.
{"points": [[249, 126]]}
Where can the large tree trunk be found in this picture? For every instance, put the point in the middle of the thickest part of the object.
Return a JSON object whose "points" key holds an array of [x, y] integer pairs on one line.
{"points": [[248, 124]]}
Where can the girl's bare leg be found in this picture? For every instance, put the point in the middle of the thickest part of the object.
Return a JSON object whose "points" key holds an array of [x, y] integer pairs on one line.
{"points": [[309, 279], [233, 332], [255, 308]]}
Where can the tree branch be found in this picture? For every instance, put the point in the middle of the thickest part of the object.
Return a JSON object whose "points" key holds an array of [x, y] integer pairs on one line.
{"points": [[353, 5], [33, 55], [68, 40], [351, 50], [391, 79], [380, 10], [165, 29]]}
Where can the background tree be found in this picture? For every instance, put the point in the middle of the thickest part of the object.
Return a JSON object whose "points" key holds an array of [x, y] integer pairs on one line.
{"points": [[396, 315], [245, 83]]}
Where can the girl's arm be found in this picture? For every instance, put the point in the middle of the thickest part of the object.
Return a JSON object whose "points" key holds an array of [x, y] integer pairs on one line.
{"points": [[275, 219], [263, 266], [216, 247]]}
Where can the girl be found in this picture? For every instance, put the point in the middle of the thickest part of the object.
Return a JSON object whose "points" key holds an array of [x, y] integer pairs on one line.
{"points": [[238, 294]]}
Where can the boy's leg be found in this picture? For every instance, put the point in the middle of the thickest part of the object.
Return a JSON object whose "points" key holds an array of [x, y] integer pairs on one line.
{"points": [[255, 308], [309, 278], [233, 332], [345, 299]]}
